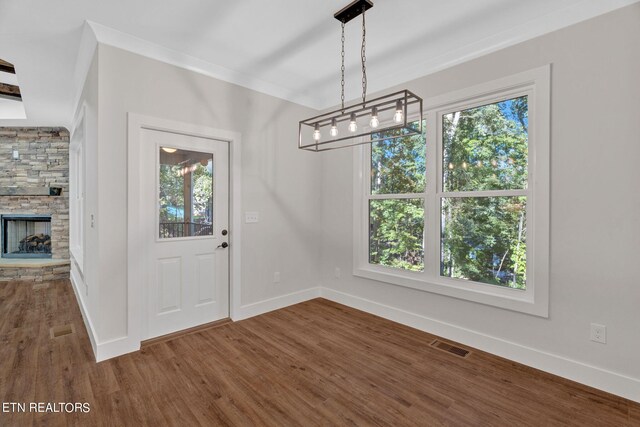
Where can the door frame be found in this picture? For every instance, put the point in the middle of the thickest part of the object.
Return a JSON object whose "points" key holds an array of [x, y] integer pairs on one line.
{"points": [[136, 306]]}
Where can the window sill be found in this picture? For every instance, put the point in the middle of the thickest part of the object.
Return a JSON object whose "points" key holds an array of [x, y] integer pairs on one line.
{"points": [[522, 301]]}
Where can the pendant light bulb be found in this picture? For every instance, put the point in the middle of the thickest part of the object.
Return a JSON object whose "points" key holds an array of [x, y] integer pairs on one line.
{"points": [[353, 126], [374, 118], [398, 117], [334, 128], [316, 132]]}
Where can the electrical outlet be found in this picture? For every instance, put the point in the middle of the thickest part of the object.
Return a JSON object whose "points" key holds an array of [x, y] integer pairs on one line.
{"points": [[276, 277], [599, 333], [250, 217], [337, 272]]}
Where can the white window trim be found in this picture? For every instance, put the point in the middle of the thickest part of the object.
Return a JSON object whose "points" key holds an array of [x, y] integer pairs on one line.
{"points": [[534, 300]]}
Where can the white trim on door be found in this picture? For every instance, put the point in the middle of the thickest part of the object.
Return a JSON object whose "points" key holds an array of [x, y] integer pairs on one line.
{"points": [[135, 276]]}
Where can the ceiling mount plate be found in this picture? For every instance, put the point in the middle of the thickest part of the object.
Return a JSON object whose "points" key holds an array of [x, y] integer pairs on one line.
{"points": [[352, 10]]}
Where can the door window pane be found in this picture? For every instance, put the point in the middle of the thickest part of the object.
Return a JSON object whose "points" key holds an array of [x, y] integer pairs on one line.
{"points": [[486, 147], [484, 240], [185, 193], [396, 230]]}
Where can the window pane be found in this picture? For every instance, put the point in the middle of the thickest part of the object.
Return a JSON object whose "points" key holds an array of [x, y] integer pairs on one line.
{"points": [[185, 193], [485, 148], [484, 240], [398, 166], [396, 233]]}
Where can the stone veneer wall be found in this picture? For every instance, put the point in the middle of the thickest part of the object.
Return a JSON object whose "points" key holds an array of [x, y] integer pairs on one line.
{"points": [[44, 162], [40, 274]]}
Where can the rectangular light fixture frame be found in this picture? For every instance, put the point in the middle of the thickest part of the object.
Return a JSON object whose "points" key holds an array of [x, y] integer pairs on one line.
{"points": [[410, 125]]}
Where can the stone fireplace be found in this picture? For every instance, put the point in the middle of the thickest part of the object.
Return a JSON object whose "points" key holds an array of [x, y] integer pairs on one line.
{"points": [[34, 204]]}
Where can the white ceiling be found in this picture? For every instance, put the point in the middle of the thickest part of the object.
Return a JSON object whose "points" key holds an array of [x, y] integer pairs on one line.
{"points": [[287, 48]]}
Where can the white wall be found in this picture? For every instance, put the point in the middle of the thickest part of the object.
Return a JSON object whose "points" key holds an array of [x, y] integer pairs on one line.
{"points": [[595, 206], [305, 199], [278, 181], [86, 281]]}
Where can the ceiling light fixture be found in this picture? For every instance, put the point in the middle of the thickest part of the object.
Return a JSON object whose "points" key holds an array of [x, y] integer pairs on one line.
{"points": [[389, 117]]}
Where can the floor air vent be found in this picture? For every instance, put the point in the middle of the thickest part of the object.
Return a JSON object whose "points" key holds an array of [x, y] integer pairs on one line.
{"points": [[60, 331], [450, 348]]}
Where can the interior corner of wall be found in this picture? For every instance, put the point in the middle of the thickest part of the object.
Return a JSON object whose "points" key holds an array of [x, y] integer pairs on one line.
{"points": [[76, 281], [84, 60]]}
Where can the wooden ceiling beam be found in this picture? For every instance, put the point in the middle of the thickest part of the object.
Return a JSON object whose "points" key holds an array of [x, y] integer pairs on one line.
{"points": [[10, 91], [7, 67]]}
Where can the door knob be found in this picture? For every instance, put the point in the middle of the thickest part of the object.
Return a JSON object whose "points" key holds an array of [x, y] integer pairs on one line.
{"points": [[223, 245]]}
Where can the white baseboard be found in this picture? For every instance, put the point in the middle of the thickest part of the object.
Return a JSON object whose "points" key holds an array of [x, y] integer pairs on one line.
{"points": [[592, 376], [116, 347], [260, 307], [77, 284], [119, 346], [101, 350]]}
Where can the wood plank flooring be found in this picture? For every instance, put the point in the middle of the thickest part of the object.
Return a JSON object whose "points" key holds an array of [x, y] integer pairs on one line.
{"points": [[315, 363]]}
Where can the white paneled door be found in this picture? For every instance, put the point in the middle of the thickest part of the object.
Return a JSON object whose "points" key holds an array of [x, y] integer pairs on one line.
{"points": [[185, 191]]}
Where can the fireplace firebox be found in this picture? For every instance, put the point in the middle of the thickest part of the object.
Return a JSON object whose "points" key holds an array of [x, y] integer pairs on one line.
{"points": [[26, 236]]}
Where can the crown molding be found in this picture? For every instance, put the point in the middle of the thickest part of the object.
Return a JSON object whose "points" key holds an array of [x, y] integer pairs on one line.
{"points": [[94, 33], [109, 36]]}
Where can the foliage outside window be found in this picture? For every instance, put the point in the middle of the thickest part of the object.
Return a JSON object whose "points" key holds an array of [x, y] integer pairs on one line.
{"points": [[396, 203], [185, 193], [483, 238]]}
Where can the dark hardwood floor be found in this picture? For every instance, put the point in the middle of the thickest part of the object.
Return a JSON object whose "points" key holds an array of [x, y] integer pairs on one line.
{"points": [[315, 363]]}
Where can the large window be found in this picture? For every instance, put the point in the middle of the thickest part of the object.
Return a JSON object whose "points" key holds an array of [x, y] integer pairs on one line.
{"points": [[463, 211]]}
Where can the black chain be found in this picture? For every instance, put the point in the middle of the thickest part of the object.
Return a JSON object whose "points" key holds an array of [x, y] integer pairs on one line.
{"points": [[342, 70], [364, 58]]}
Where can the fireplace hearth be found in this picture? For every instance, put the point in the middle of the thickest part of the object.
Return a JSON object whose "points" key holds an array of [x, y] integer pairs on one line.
{"points": [[26, 236]]}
